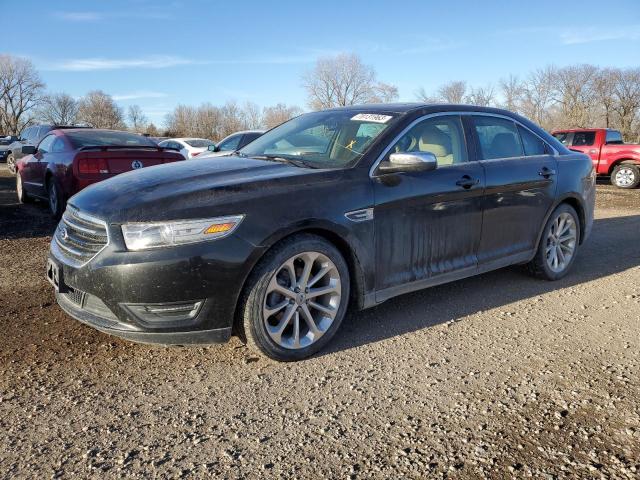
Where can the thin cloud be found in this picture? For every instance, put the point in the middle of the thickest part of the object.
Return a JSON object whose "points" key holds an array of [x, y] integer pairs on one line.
{"points": [[590, 35], [139, 94], [93, 64], [79, 16], [89, 16]]}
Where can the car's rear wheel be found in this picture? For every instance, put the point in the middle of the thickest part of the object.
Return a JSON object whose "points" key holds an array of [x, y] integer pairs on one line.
{"points": [[558, 246], [56, 200], [11, 163], [626, 175], [295, 299], [23, 197]]}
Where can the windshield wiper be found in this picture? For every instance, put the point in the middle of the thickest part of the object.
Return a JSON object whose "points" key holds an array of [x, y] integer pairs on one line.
{"points": [[278, 158]]}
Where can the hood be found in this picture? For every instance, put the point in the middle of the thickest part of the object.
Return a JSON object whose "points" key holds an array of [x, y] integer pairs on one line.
{"points": [[187, 189]]}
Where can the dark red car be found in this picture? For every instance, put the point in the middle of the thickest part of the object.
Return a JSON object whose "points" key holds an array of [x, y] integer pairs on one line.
{"points": [[66, 161]]}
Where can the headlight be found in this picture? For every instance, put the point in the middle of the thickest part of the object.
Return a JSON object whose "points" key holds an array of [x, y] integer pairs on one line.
{"points": [[142, 236]]}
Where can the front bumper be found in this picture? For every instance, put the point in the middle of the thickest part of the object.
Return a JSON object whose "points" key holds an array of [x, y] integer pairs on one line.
{"points": [[102, 292]]}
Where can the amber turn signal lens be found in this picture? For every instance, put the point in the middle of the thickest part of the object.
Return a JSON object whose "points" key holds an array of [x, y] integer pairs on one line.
{"points": [[219, 227]]}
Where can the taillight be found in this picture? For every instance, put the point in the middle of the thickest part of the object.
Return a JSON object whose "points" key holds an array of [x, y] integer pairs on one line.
{"points": [[195, 154], [93, 165]]}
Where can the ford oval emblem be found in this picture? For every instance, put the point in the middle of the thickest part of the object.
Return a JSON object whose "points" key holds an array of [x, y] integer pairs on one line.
{"points": [[136, 164]]}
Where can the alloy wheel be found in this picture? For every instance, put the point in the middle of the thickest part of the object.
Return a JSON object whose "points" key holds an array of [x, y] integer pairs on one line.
{"points": [[302, 300], [625, 177], [561, 242]]}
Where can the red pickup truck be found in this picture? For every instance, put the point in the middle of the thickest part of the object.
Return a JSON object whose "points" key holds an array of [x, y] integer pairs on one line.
{"points": [[610, 155]]}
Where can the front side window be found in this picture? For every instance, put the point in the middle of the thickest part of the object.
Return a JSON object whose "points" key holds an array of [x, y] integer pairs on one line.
{"points": [[230, 143], [46, 144], [329, 139], [614, 137], [583, 139], [533, 145], [498, 138], [442, 136]]}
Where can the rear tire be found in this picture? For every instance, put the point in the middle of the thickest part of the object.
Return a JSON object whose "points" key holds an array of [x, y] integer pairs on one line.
{"points": [[282, 313], [626, 175], [558, 245], [11, 163], [23, 197], [56, 200]]}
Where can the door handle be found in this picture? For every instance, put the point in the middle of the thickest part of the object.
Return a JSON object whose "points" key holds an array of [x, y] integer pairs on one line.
{"points": [[467, 182], [546, 172]]}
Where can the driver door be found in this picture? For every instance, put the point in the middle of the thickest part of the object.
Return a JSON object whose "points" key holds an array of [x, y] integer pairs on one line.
{"points": [[428, 224]]}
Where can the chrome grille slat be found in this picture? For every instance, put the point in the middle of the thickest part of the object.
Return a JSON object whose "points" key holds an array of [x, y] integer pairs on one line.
{"points": [[80, 237]]}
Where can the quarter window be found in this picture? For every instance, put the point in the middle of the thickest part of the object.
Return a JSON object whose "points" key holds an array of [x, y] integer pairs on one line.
{"points": [[533, 145], [498, 138], [614, 136], [442, 136], [584, 139]]}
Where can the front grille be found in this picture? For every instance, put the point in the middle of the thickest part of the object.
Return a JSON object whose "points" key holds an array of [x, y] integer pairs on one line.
{"points": [[80, 237]]}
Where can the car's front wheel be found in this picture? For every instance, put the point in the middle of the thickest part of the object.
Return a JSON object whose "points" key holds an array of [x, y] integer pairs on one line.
{"points": [[56, 199], [23, 196], [626, 175], [295, 299], [558, 246], [11, 163]]}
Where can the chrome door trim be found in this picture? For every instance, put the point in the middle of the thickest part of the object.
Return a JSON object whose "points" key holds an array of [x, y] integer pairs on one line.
{"points": [[441, 114]]}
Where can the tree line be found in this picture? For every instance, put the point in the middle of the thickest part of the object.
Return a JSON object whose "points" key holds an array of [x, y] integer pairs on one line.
{"points": [[575, 96]]}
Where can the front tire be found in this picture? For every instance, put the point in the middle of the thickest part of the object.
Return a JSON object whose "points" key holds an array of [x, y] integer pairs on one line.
{"points": [[11, 163], [558, 246], [56, 199], [626, 175], [295, 299], [23, 197]]}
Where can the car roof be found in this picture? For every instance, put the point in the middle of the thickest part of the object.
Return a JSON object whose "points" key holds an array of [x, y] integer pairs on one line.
{"points": [[408, 107], [184, 139], [569, 130]]}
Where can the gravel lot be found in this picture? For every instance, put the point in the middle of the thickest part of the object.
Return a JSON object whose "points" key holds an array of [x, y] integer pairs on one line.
{"points": [[496, 376]]}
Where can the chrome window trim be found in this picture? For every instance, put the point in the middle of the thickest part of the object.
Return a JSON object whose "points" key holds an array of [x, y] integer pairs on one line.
{"points": [[465, 113], [57, 248]]}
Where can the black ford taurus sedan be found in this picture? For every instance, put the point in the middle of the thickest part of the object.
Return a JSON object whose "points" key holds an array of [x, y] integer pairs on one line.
{"points": [[333, 209]]}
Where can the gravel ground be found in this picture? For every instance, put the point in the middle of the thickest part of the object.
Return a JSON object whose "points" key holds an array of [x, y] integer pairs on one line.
{"points": [[496, 376]]}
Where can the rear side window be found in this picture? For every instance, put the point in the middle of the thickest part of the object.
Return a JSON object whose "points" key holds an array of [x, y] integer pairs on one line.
{"points": [[199, 142], [498, 138], [531, 143], [581, 139], [58, 145], [614, 137]]}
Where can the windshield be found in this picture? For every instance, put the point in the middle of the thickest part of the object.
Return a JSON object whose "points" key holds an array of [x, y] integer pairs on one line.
{"points": [[98, 138], [330, 139], [199, 142]]}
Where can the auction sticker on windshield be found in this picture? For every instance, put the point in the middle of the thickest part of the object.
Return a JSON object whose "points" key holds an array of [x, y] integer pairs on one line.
{"points": [[372, 117]]}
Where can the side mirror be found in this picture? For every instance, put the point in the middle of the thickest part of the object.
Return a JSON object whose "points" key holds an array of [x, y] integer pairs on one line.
{"points": [[212, 148], [409, 162], [29, 149]]}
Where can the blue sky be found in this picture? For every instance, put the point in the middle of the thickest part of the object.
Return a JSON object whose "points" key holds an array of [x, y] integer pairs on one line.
{"points": [[159, 54]]}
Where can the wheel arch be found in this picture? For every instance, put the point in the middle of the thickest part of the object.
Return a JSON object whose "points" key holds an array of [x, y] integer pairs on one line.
{"points": [[619, 161], [575, 202], [331, 235]]}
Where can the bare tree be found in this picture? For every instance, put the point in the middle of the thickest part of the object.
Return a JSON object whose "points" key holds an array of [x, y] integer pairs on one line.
{"points": [[452, 92], [20, 93], [574, 94], [152, 130], [537, 97], [58, 109], [423, 96], [280, 113], [627, 105], [252, 115], [344, 80], [604, 93], [511, 89], [99, 110], [138, 122], [481, 96]]}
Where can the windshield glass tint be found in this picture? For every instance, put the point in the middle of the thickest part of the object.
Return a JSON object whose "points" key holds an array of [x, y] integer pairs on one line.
{"points": [[198, 142], [322, 139], [95, 138]]}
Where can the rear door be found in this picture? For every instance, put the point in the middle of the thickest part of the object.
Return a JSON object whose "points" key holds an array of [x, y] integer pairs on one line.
{"points": [[520, 171], [428, 224]]}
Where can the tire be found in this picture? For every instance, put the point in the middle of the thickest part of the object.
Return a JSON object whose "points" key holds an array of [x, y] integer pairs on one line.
{"points": [[626, 175], [267, 318], [551, 245], [23, 197], [56, 200], [11, 163]]}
